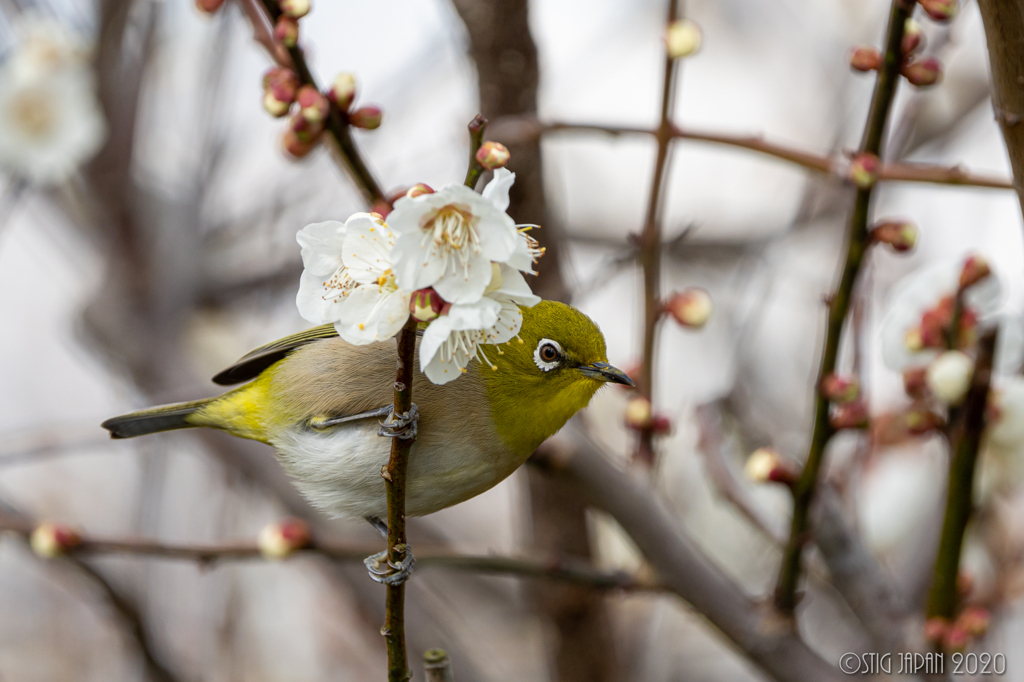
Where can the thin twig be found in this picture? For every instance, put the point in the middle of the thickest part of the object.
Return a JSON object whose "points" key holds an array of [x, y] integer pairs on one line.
{"points": [[964, 434], [437, 666], [513, 129], [337, 120], [650, 243], [839, 303], [394, 477], [476, 138]]}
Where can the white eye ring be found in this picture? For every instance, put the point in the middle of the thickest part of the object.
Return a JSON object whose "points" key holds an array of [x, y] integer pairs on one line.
{"points": [[547, 365]]}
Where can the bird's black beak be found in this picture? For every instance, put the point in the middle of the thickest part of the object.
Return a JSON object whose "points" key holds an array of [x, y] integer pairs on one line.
{"points": [[605, 372]]}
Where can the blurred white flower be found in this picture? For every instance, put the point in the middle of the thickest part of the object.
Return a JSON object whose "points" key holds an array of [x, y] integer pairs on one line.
{"points": [[50, 119], [452, 340], [347, 279], [949, 376], [905, 341], [1006, 404], [448, 239]]}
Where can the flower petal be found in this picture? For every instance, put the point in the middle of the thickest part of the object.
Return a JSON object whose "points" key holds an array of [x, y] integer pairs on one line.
{"points": [[416, 263], [514, 287], [497, 189], [441, 371], [366, 250], [312, 303], [482, 314], [435, 335], [464, 284], [510, 321], [321, 247], [369, 315], [522, 258]]}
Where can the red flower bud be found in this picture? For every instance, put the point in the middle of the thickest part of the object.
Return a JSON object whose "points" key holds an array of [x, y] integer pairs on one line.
{"points": [[975, 269], [956, 638], [974, 620], [865, 58], [279, 86], [296, 9], [901, 235], [935, 629], [691, 307], [367, 118], [312, 105], [766, 465], [850, 416], [661, 424], [294, 146], [864, 170], [921, 421], [425, 304], [209, 6], [419, 189], [50, 540], [923, 72], [278, 540], [940, 10], [492, 155], [304, 129], [286, 31], [913, 37], [343, 90], [840, 389]]}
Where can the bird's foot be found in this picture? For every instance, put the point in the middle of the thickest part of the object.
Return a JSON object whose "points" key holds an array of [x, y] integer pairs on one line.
{"points": [[400, 425], [383, 571]]}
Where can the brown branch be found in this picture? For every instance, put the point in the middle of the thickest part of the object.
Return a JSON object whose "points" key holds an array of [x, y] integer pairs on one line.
{"points": [[650, 243], [1004, 33], [263, 32], [477, 127], [337, 120], [523, 128], [394, 477], [213, 554], [964, 433], [771, 643], [803, 489], [437, 666]]}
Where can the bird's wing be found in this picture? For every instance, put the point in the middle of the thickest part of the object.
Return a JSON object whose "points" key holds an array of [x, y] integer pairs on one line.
{"points": [[253, 363]]}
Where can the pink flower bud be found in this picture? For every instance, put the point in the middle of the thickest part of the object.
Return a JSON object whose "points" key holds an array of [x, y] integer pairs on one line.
{"points": [[915, 381], [367, 118], [766, 465], [864, 169], [839, 389], [209, 6], [901, 235], [294, 146], [956, 638], [865, 58], [425, 304], [286, 31], [380, 209], [935, 629], [975, 269], [920, 421], [50, 540], [418, 190], [974, 620], [279, 85], [940, 10], [312, 105], [304, 129], [691, 308], [923, 72], [492, 155], [296, 9], [682, 39], [278, 540], [913, 37], [343, 90], [850, 416], [639, 413], [661, 425]]}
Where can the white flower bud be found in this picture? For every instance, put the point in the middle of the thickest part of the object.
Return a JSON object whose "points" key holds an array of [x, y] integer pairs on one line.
{"points": [[682, 38], [949, 376]]}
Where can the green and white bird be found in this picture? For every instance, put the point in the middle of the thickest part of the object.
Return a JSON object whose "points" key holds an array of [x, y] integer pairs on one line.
{"points": [[317, 400]]}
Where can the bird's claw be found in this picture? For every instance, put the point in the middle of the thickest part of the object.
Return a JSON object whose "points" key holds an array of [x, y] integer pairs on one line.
{"points": [[402, 426], [383, 571]]}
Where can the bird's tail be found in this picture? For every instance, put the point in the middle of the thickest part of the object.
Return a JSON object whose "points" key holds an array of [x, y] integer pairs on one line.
{"points": [[156, 419]]}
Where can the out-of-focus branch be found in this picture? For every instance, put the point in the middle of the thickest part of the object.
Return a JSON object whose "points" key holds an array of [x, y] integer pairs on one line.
{"points": [[337, 123], [437, 666], [1004, 32], [871, 144], [650, 245], [210, 555], [263, 32], [964, 434], [756, 630], [520, 128]]}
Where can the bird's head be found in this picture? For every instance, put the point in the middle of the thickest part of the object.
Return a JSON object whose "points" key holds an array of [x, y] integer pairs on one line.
{"points": [[549, 376]]}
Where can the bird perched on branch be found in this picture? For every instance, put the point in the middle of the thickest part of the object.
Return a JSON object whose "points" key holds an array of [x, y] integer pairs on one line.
{"points": [[318, 400]]}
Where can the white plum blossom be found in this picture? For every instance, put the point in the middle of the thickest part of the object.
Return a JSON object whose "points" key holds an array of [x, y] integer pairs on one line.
{"points": [[453, 339], [922, 291], [347, 279], [449, 238], [949, 376], [50, 119]]}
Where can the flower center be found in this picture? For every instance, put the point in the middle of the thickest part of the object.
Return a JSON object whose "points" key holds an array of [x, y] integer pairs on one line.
{"points": [[339, 285], [32, 113], [454, 234], [386, 282]]}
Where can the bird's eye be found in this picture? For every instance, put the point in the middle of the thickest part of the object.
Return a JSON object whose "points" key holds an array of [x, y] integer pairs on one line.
{"points": [[547, 355]]}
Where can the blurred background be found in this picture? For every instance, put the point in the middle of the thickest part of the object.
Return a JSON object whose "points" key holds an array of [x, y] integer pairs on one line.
{"points": [[151, 242]]}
